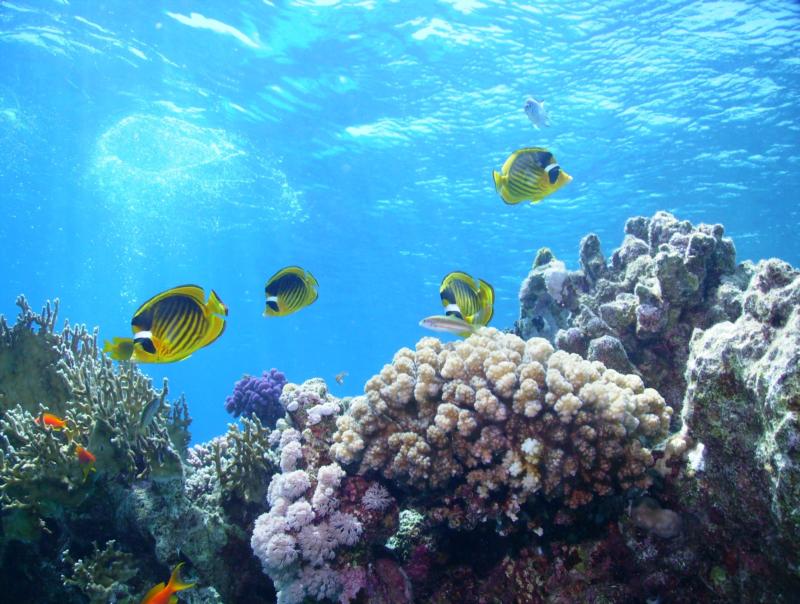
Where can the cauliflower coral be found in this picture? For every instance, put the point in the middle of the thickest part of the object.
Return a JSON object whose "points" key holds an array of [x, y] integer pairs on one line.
{"points": [[486, 423]]}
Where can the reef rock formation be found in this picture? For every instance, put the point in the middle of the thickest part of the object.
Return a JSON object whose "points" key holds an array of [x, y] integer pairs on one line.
{"points": [[636, 312], [742, 405]]}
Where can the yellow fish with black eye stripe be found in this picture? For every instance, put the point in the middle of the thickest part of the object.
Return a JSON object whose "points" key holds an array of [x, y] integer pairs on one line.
{"points": [[171, 326], [467, 298], [289, 290], [529, 174]]}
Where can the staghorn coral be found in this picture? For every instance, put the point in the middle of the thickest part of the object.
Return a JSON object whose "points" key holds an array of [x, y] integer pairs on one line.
{"points": [[636, 312], [258, 397], [481, 426]]}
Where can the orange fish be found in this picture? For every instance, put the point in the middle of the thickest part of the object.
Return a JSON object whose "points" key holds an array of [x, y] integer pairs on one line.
{"points": [[51, 421], [86, 458], [164, 594]]}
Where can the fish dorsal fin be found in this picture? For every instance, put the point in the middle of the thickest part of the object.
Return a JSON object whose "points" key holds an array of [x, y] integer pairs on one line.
{"points": [[193, 291], [272, 282], [153, 591]]}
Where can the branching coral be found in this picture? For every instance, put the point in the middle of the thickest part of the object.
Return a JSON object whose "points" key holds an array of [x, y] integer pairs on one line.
{"points": [[489, 422], [104, 406], [238, 465], [29, 352], [39, 475], [104, 576]]}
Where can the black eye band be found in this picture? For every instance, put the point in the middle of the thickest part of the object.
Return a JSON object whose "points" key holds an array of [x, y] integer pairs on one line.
{"points": [[553, 173], [146, 344]]}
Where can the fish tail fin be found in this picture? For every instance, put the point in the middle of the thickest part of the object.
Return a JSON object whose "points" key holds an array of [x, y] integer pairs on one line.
{"points": [[216, 305], [175, 582], [119, 349], [499, 180]]}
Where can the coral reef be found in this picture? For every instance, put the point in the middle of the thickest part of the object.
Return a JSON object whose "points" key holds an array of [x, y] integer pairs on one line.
{"points": [[258, 397], [486, 424], [53, 511], [237, 466], [492, 469], [636, 312]]}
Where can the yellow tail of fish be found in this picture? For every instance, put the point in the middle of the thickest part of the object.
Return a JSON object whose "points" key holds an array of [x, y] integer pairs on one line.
{"points": [[119, 349], [499, 180], [215, 305]]}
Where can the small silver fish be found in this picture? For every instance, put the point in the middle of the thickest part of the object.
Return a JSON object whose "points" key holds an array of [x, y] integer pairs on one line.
{"points": [[149, 412], [449, 324], [536, 113]]}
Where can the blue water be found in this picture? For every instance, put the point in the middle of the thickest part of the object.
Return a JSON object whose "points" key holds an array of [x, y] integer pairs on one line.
{"points": [[151, 144]]}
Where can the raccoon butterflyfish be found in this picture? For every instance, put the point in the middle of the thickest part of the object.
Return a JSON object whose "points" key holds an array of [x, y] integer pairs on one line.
{"points": [[449, 324], [467, 298], [165, 594], [529, 174], [50, 421], [289, 290], [87, 459], [171, 326]]}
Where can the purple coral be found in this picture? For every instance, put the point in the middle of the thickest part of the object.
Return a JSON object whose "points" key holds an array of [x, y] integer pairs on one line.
{"points": [[258, 396]]}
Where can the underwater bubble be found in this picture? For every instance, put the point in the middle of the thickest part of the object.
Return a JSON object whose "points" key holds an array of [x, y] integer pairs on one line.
{"points": [[144, 162], [147, 146]]}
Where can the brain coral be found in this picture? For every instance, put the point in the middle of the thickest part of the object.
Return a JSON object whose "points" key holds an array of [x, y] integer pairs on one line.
{"points": [[486, 423]]}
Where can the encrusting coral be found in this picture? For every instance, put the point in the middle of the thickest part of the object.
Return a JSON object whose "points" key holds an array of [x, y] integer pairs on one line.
{"points": [[485, 424]]}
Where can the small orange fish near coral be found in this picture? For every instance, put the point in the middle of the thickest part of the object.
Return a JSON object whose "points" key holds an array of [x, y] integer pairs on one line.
{"points": [[86, 458], [48, 420], [164, 594], [340, 377]]}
